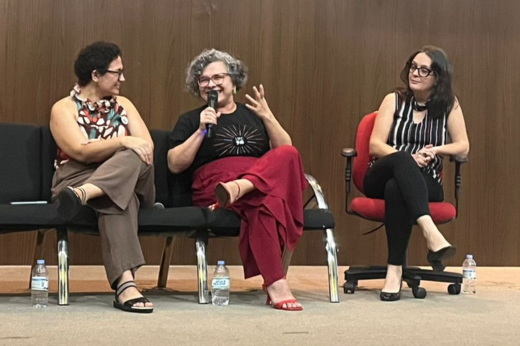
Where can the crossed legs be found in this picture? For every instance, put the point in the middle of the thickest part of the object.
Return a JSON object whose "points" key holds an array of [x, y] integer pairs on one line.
{"points": [[278, 291], [406, 191], [115, 189]]}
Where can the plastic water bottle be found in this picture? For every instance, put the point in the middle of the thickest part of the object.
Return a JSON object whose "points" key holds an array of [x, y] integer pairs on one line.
{"points": [[220, 285], [40, 285], [469, 273]]}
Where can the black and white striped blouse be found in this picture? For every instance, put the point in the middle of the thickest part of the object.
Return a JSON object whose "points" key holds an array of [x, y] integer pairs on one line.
{"points": [[406, 135]]}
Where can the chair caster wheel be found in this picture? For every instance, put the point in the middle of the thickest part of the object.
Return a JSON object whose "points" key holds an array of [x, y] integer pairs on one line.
{"points": [[419, 292], [349, 287], [454, 289]]}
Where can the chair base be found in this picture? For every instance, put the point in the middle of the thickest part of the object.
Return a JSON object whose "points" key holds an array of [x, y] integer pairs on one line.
{"points": [[411, 275]]}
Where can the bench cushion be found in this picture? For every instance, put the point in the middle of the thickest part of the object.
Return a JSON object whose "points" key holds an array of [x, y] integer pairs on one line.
{"points": [[28, 217], [223, 222], [151, 221]]}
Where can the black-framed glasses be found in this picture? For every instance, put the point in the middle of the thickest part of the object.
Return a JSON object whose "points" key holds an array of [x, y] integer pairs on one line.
{"points": [[422, 71], [119, 73], [217, 79]]}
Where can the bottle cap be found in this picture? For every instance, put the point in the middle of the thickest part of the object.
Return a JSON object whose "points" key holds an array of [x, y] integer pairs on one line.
{"points": [[40, 261], [221, 263], [469, 256]]}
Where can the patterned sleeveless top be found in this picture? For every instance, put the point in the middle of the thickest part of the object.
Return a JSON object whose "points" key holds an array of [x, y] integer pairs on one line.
{"points": [[406, 135], [99, 120]]}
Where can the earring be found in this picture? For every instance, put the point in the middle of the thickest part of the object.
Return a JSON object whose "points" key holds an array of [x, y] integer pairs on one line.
{"points": [[234, 90]]}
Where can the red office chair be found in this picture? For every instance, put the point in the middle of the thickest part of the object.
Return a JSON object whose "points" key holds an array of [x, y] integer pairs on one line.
{"points": [[374, 210]]}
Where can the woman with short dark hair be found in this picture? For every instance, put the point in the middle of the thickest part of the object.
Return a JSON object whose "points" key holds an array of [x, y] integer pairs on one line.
{"points": [[410, 136], [105, 161]]}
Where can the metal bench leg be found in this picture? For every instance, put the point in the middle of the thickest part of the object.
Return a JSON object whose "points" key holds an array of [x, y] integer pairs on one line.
{"points": [[63, 267], [202, 269], [165, 262], [332, 263]]}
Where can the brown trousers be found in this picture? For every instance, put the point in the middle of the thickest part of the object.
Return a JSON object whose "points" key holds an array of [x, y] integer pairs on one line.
{"points": [[128, 183]]}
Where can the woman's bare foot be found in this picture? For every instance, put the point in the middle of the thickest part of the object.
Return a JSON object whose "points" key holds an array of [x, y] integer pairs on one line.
{"points": [[393, 280], [228, 193], [88, 191], [130, 292], [434, 238], [279, 291]]}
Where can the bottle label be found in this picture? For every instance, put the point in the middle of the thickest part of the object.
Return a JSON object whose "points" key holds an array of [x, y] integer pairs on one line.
{"points": [[39, 283], [469, 274], [221, 283]]}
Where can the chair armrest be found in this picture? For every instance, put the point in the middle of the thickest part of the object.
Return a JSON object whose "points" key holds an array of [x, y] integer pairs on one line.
{"points": [[459, 160], [349, 152], [318, 192]]}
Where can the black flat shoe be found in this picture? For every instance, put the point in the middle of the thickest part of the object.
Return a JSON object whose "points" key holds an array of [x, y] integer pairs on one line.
{"points": [[69, 203], [436, 259], [391, 297]]}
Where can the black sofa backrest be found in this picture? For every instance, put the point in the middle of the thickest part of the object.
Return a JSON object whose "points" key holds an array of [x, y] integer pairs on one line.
{"points": [[31, 153], [48, 154], [180, 189], [28, 156], [172, 190], [162, 175], [21, 173]]}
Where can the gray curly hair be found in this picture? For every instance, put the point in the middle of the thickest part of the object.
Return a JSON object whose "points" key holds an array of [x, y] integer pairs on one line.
{"points": [[235, 68]]}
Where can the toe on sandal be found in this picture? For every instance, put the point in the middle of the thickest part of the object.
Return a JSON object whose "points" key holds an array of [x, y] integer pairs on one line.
{"points": [[128, 305], [214, 206], [284, 305]]}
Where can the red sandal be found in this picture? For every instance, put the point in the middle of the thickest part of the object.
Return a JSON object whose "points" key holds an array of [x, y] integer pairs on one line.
{"points": [[283, 305]]}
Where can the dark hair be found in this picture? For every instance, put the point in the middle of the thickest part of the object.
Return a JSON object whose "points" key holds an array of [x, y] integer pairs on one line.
{"points": [[442, 98], [96, 56]]}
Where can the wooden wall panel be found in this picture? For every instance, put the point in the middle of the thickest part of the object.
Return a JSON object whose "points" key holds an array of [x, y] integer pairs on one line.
{"points": [[324, 64]]}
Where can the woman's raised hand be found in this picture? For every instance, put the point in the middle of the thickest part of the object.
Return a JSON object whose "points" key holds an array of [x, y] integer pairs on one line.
{"points": [[258, 104]]}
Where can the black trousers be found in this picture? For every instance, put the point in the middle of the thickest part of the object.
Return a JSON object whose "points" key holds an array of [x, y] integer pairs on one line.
{"points": [[406, 189]]}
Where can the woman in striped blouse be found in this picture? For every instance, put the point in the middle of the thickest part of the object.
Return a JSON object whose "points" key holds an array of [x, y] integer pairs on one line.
{"points": [[410, 137]]}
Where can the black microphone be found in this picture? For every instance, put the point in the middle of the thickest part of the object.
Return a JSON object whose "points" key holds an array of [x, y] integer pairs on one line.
{"points": [[212, 102]]}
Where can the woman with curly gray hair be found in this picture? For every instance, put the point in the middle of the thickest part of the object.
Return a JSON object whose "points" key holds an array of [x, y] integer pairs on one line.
{"points": [[247, 165]]}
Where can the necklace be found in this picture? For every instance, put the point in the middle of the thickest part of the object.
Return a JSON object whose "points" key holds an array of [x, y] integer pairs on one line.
{"points": [[419, 108]]}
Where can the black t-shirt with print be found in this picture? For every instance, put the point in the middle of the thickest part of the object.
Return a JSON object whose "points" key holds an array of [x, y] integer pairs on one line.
{"points": [[240, 133]]}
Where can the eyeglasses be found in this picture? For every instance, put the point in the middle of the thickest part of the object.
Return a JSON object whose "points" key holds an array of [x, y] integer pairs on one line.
{"points": [[422, 71], [217, 79], [119, 73]]}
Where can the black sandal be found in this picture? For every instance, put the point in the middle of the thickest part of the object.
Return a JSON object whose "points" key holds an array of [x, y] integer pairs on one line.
{"points": [[129, 304], [69, 202]]}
